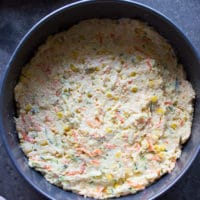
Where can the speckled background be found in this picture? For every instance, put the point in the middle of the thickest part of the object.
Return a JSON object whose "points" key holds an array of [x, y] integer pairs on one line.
{"points": [[17, 17]]}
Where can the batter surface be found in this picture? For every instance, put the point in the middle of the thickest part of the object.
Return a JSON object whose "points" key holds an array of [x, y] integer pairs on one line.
{"points": [[103, 108]]}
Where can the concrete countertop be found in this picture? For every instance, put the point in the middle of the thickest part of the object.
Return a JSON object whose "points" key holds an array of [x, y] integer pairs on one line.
{"points": [[17, 17]]}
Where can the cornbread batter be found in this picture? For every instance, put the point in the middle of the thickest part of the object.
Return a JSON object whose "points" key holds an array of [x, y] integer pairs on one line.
{"points": [[104, 108]]}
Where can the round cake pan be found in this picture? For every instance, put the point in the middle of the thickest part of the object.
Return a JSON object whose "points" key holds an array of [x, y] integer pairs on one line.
{"points": [[62, 19]]}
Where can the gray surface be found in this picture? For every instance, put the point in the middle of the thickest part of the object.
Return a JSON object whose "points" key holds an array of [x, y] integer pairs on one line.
{"points": [[15, 21]]}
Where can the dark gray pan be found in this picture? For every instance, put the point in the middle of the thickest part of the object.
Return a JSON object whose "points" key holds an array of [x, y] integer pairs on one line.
{"points": [[62, 19]]}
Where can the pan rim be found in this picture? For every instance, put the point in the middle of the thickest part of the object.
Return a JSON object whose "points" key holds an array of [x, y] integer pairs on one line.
{"points": [[40, 23]]}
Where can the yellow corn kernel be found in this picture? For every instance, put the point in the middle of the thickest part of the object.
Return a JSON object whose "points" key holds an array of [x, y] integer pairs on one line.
{"points": [[159, 147], [126, 128], [54, 130], [175, 103], [134, 89], [80, 100], [151, 84], [68, 156], [89, 95], [132, 74], [66, 89], [43, 142], [118, 70], [28, 107], [109, 177], [97, 69], [98, 177], [58, 155], [59, 115], [108, 130], [174, 126], [118, 154], [27, 148], [161, 154], [78, 110], [109, 108], [144, 109], [160, 111], [74, 68], [70, 133], [154, 99], [76, 145], [67, 128], [116, 185], [137, 173], [127, 114], [116, 98], [109, 95], [128, 172]]}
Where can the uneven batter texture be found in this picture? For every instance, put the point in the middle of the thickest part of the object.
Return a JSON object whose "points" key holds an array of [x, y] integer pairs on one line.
{"points": [[104, 108]]}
